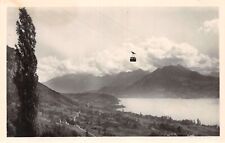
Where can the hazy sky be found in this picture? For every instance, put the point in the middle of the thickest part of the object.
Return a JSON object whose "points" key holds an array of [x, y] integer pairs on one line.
{"points": [[99, 40]]}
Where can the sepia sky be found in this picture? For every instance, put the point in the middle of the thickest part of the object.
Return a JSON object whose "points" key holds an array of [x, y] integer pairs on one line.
{"points": [[98, 40]]}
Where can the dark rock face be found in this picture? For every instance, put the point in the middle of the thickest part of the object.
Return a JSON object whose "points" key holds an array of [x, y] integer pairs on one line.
{"points": [[12, 100]]}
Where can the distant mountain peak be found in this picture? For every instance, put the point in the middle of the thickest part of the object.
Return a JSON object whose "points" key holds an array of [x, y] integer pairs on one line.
{"points": [[174, 70], [175, 81], [176, 67]]}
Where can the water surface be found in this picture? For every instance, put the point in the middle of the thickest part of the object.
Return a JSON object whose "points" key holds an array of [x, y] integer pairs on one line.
{"points": [[207, 110]]}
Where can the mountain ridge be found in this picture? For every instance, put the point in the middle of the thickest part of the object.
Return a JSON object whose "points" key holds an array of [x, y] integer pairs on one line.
{"points": [[77, 83], [172, 81], [176, 81]]}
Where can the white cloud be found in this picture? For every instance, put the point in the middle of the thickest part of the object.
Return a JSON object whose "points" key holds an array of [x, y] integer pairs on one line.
{"points": [[210, 26], [151, 54]]}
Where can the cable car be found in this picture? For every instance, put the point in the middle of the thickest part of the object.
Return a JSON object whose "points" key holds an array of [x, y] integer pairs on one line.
{"points": [[133, 58]]}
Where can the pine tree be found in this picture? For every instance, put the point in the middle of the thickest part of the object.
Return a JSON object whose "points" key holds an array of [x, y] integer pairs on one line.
{"points": [[26, 77]]}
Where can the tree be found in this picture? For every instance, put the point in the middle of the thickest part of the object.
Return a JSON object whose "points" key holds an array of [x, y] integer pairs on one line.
{"points": [[26, 77], [198, 122]]}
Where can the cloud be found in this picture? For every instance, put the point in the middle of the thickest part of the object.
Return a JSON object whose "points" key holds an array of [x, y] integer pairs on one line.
{"points": [[210, 26], [152, 53]]}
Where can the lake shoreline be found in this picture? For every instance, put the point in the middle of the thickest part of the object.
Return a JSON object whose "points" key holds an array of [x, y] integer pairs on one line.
{"points": [[198, 113]]}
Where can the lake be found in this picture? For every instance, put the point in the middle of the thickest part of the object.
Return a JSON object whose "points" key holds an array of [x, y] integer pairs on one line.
{"points": [[206, 110]]}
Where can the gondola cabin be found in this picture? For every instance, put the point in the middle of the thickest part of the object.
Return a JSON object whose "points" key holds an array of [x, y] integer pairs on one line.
{"points": [[133, 58]]}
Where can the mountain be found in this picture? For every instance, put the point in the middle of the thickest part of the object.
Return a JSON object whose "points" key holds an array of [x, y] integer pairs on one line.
{"points": [[214, 74], [47, 95], [96, 100], [76, 83], [52, 105], [174, 81]]}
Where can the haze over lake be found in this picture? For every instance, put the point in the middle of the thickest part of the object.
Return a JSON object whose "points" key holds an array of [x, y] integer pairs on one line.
{"points": [[207, 110]]}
